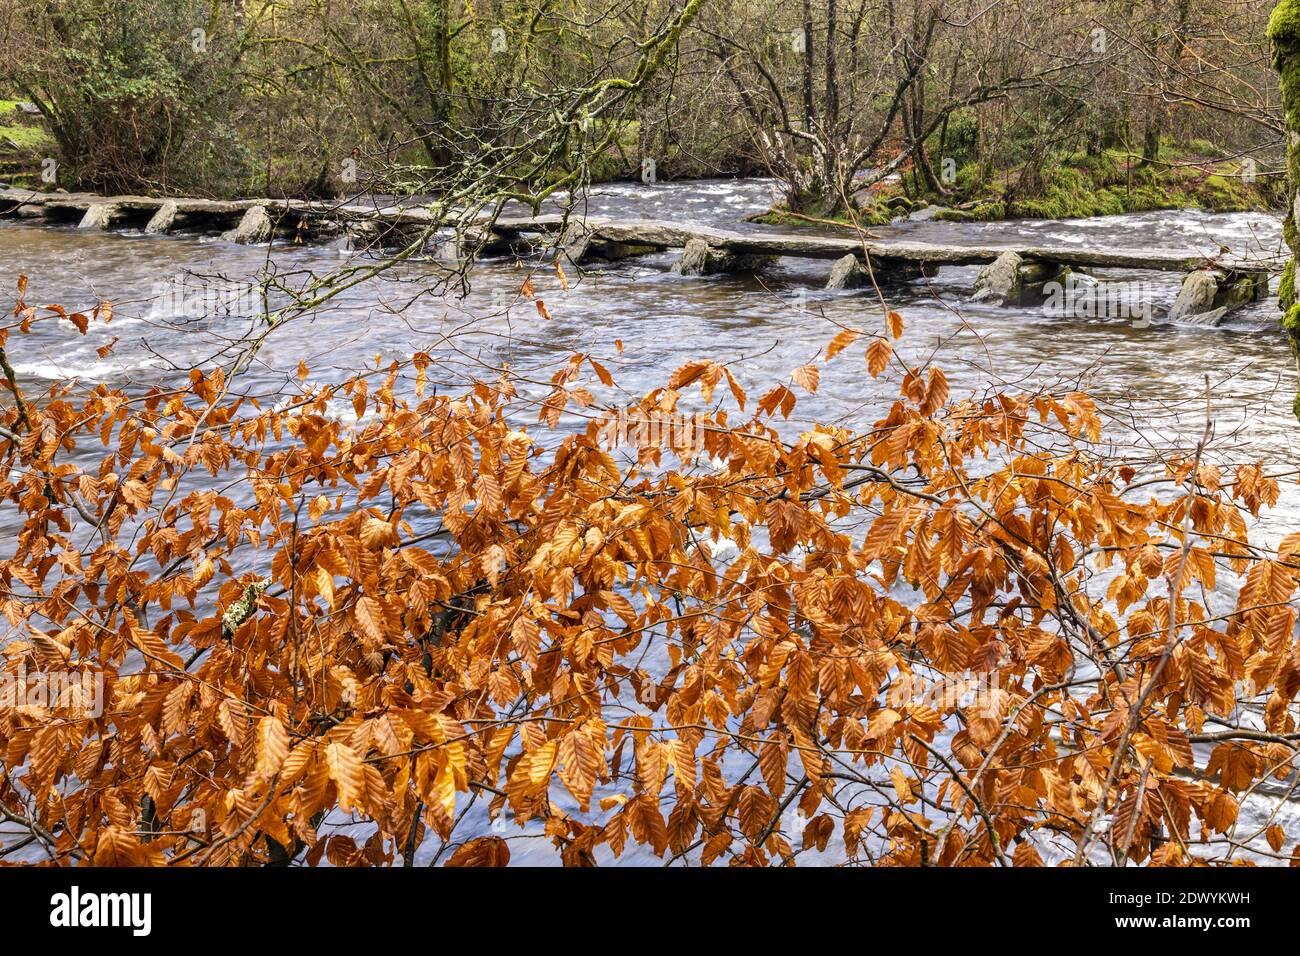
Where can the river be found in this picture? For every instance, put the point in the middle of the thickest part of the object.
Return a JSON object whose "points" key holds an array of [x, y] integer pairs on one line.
{"points": [[1151, 373], [771, 322]]}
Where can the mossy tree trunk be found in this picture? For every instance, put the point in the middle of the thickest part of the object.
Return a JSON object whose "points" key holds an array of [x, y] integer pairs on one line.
{"points": [[1284, 33], [1151, 135], [1151, 141]]}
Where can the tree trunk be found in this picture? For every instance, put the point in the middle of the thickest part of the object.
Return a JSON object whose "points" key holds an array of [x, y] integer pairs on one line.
{"points": [[1151, 141], [1151, 135], [1284, 32], [440, 108], [807, 66]]}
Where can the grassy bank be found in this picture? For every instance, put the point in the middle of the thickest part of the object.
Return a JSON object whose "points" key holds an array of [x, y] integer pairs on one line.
{"points": [[1077, 186], [1113, 182], [23, 143]]}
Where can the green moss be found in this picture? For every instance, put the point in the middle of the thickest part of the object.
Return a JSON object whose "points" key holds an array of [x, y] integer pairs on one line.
{"points": [[1291, 322], [1284, 22], [1071, 194], [983, 212], [881, 205], [1109, 183], [1284, 32], [24, 137], [1291, 326], [877, 214], [1242, 290], [1223, 195], [1198, 147], [17, 134], [1102, 168]]}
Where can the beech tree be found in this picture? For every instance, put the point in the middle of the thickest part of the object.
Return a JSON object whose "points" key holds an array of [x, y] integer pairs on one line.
{"points": [[963, 636]]}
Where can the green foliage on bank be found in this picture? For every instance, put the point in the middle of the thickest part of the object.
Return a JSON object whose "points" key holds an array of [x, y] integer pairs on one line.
{"points": [[131, 95], [17, 133], [1110, 184]]}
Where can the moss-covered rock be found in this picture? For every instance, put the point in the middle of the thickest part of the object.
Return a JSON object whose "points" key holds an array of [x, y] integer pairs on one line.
{"points": [[1224, 194], [981, 212], [867, 215], [1291, 326], [1291, 321]]}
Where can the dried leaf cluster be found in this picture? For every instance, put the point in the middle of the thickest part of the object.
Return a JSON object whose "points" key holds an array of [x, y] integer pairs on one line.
{"points": [[349, 642]]}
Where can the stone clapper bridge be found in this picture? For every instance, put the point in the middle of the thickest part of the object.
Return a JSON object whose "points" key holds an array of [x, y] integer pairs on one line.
{"points": [[1213, 285]]}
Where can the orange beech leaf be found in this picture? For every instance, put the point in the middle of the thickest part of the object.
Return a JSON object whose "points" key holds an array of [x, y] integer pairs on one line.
{"points": [[841, 341], [807, 377], [878, 354], [894, 322], [345, 769], [482, 851]]}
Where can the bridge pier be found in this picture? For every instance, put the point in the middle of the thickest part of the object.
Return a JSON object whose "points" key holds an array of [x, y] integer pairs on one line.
{"points": [[612, 251], [1013, 279], [580, 245], [100, 215], [254, 228], [700, 259], [162, 221], [847, 273], [850, 272], [1208, 295], [574, 245]]}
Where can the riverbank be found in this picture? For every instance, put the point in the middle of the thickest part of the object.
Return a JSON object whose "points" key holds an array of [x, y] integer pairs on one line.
{"points": [[1079, 186]]}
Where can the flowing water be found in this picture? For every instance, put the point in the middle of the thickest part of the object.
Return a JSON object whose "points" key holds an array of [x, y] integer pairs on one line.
{"points": [[183, 300], [1150, 372]]}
